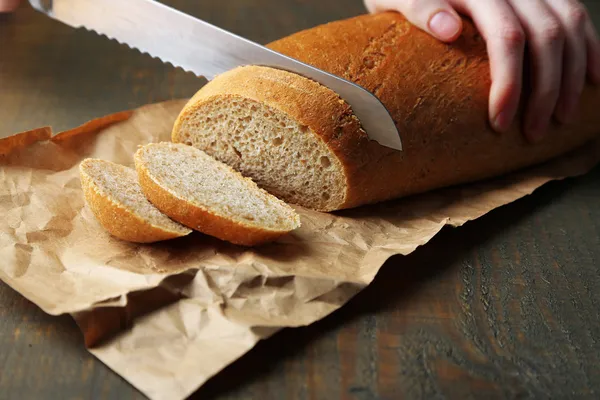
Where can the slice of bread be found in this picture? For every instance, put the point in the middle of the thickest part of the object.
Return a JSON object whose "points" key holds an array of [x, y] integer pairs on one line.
{"points": [[251, 118], [114, 196], [204, 194]]}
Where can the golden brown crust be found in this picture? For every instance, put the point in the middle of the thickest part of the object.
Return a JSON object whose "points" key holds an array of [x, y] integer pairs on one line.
{"points": [[436, 93], [118, 220], [199, 218], [438, 97]]}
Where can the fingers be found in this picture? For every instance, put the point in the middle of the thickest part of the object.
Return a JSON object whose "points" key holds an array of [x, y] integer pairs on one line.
{"points": [[546, 39], [8, 5], [564, 47], [505, 40], [573, 17], [497, 23], [593, 51], [437, 17]]}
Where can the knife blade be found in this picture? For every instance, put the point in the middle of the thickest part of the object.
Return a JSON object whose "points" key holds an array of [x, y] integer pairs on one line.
{"points": [[206, 50]]}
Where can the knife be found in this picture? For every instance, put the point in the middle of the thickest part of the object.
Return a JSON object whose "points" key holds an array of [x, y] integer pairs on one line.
{"points": [[207, 50]]}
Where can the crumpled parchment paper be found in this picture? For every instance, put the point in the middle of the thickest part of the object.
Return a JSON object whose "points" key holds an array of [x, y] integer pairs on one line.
{"points": [[169, 316]]}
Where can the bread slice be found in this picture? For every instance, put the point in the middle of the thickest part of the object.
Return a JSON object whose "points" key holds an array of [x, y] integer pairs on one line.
{"points": [[263, 123], [114, 196], [206, 195], [301, 142]]}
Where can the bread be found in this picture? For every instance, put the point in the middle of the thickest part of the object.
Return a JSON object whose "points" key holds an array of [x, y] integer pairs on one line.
{"points": [[115, 198], [301, 142], [206, 195]]}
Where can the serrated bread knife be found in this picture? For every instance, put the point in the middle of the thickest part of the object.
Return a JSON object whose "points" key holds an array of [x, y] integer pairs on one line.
{"points": [[206, 50]]}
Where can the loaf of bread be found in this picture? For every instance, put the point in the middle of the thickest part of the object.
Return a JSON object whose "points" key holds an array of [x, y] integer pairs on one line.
{"points": [[116, 199], [208, 196], [300, 141]]}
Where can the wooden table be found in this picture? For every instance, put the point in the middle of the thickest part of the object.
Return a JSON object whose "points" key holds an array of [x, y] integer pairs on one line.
{"points": [[505, 307]]}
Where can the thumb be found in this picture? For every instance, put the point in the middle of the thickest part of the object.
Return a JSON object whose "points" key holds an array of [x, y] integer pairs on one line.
{"points": [[436, 17], [8, 5]]}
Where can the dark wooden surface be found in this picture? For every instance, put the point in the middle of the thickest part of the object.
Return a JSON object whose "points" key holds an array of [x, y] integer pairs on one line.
{"points": [[505, 307]]}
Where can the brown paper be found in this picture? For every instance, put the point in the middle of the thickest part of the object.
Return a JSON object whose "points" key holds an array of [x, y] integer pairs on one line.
{"points": [[169, 316]]}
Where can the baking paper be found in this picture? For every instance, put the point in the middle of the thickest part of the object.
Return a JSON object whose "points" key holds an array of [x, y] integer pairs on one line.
{"points": [[168, 316]]}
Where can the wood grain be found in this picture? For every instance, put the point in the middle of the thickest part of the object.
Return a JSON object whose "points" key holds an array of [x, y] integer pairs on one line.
{"points": [[505, 307]]}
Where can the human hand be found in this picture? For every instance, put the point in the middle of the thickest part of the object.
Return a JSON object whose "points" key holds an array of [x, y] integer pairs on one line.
{"points": [[563, 44], [8, 5]]}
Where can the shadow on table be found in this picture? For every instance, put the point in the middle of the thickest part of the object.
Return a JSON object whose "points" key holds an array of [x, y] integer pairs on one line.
{"points": [[399, 280]]}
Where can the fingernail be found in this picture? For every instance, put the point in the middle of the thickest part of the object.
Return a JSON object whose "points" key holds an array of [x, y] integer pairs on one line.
{"points": [[501, 121], [444, 25]]}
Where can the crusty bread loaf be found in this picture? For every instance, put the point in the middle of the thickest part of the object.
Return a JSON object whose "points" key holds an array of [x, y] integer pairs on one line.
{"points": [[206, 195], [298, 140], [114, 196]]}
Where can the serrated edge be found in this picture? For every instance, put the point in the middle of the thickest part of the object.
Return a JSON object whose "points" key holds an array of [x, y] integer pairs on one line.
{"points": [[140, 51]]}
